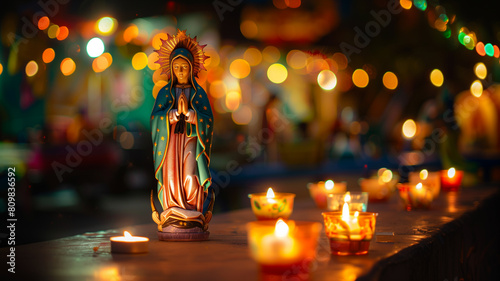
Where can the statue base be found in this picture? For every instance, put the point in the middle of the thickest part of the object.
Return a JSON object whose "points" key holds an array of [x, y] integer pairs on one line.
{"points": [[174, 234]]}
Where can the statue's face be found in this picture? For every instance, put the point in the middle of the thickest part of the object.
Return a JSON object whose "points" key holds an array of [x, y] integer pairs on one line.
{"points": [[181, 70]]}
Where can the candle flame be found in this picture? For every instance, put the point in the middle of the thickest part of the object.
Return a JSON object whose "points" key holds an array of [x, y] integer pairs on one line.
{"points": [[270, 193], [451, 172], [356, 214], [386, 176], [329, 184], [419, 186], [345, 212], [347, 197], [424, 174], [127, 234], [281, 229]]}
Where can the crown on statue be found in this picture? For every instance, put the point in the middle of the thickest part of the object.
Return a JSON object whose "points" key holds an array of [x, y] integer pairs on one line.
{"points": [[181, 40]]}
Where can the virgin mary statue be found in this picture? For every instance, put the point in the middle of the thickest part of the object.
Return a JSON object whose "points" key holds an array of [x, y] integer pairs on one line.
{"points": [[182, 129]]}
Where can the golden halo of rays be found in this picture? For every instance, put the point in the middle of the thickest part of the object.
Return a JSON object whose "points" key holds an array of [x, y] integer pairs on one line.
{"points": [[181, 40]]}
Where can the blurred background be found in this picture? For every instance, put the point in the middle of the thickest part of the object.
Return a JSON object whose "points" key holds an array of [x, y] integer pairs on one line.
{"points": [[301, 91]]}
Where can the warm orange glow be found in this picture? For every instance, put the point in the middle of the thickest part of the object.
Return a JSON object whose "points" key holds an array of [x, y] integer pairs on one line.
{"points": [[68, 66], [130, 33], [242, 116], [152, 58], [296, 59], [406, 4], [409, 129], [451, 172], [341, 60], [31, 68], [281, 229], [277, 73], [271, 54], [1, 69], [102, 62], [293, 3], [218, 89], [390, 80], [63, 33], [156, 41], [239, 68], [43, 23], [233, 100], [249, 29], [139, 61], [437, 78], [48, 55], [270, 193], [360, 78], [213, 60], [253, 56], [158, 86], [424, 174]]}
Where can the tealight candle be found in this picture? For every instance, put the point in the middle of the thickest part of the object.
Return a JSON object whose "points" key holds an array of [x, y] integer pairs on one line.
{"points": [[451, 179], [271, 205], [281, 246], [320, 190], [129, 244], [415, 196], [349, 233], [381, 187], [431, 180]]}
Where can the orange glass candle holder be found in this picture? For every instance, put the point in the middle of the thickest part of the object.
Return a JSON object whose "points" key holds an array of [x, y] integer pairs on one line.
{"points": [[349, 234], [271, 206], [283, 246], [431, 180], [415, 196], [451, 179], [378, 190], [319, 191]]}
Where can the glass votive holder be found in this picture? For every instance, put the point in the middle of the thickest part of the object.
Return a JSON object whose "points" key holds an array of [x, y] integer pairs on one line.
{"points": [[267, 208], [320, 190], [451, 179], [283, 246], [352, 235], [431, 180], [377, 189], [358, 201], [415, 196]]}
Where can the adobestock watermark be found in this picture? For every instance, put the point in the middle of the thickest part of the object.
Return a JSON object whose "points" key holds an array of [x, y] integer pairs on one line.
{"points": [[223, 6], [363, 37], [29, 29], [95, 137]]}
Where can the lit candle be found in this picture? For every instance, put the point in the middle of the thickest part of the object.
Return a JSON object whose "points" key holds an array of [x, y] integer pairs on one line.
{"points": [[381, 187], [349, 234], [129, 244], [415, 196], [281, 247], [272, 205], [431, 180], [320, 190], [451, 179]]}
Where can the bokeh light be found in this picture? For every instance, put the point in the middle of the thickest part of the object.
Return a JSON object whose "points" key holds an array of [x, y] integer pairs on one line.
{"points": [[48, 55], [280, 4], [277, 73], [489, 50], [406, 4], [68, 66], [420, 4], [271, 54], [43, 23], [341, 60], [293, 3], [296, 59], [242, 116], [476, 88], [249, 29], [63, 33], [102, 62], [95, 47], [213, 60], [233, 100], [105, 26], [156, 41], [437, 78], [53, 31], [480, 49], [130, 33], [152, 59], [139, 61], [409, 129], [480, 70], [239, 68], [390, 80], [424, 174], [31, 68], [253, 56], [360, 78], [218, 89], [1, 69], [327, 79], [386, 176], [126, 140]]}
